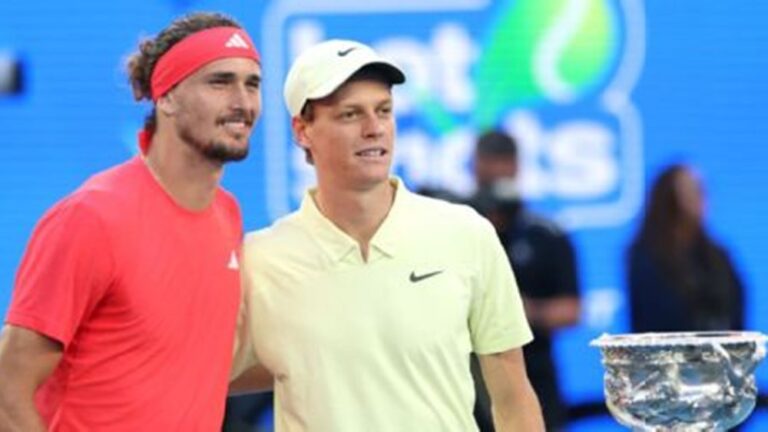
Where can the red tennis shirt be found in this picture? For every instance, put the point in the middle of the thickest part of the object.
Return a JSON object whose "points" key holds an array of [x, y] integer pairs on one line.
{"points": [[143, 295]]}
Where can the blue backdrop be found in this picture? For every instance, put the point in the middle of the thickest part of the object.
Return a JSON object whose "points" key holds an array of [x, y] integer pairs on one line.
{"points": [[601, 94]]}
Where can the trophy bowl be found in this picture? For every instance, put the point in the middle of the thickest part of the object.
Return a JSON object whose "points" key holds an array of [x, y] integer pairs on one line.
{"points": [[689, 381]]}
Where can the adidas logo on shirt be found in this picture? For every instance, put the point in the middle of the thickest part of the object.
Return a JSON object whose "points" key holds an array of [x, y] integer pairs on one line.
{"points": [[233, 263], [236, 41]]}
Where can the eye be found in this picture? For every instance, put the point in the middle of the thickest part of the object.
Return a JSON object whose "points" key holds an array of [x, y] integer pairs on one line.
{"points": [[218, 82], [253, 84], [348, 115], [385, 111]]}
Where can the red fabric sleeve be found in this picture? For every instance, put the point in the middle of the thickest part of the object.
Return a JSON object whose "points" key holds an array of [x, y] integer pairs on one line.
{"points": [[65, 271]]}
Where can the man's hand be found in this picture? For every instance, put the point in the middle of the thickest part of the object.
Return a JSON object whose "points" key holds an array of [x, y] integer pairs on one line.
{"points": [[253, 380], [552, 313]]}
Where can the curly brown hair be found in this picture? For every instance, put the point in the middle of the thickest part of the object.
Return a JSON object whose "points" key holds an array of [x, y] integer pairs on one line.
{"points": [[142, 63]]}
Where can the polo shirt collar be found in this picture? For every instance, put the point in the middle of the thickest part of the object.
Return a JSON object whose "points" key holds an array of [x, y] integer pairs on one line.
{"points": [[337, 244], [331, 239], [386, 237]]}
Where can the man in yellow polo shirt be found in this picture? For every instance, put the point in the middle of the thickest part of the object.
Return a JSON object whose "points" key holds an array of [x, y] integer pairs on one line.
{"points": [[366, 302]]}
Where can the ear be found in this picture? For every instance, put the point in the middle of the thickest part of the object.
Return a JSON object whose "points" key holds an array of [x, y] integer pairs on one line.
{"points": [[167, 104], [300, 132]]}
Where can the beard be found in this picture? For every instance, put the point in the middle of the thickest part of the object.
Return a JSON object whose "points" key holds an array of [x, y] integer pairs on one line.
{"points": [[215, 151], [219, 152]]}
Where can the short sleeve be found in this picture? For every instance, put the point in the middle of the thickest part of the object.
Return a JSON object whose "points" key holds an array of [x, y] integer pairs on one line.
{"points": [[497, 319], [64, 272]]}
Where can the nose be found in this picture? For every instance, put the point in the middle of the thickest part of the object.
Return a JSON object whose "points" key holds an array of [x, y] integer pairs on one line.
{"points": [[373, 125], [244, 98]]}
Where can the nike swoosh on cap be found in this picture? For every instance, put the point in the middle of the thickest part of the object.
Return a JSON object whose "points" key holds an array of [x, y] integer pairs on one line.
{"points": [[342, 53]]}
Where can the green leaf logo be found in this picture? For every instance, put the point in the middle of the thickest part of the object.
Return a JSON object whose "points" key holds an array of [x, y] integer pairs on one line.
{"points": [[545, 51]]}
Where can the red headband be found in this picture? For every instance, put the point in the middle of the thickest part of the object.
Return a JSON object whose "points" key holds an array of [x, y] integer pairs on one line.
{"points": [[197, 50]]}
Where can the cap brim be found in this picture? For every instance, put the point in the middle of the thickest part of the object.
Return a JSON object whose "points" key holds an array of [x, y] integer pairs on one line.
{"points": [[391, 72]]}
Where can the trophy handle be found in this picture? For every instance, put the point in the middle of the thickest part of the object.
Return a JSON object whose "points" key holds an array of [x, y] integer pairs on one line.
{"points": [[735, 375], [745, 369]]}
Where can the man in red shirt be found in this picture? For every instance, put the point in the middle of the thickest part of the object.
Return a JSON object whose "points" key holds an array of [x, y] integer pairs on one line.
{"points": [[125, 304]]}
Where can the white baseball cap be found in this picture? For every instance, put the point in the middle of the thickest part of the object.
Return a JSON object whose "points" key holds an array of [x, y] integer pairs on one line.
{"points": [[322, 68]]}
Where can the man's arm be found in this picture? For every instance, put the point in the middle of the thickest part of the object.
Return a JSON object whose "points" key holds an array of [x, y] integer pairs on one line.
{"points": [[561, 307], [27, 358], [253, 380], [553, 313], [513, 401], [248, 374]]}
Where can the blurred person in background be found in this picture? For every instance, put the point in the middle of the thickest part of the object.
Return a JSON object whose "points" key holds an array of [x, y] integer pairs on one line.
{"points": [[544, 263], [679, 277], [366, 303], [125, 305]]}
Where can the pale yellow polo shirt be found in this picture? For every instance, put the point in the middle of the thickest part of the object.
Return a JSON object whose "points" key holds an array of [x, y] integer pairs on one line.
{"points": [[381, 345]]}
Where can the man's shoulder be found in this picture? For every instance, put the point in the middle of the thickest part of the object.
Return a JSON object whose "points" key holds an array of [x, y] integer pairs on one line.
{"points": [[449, 227], [227, 201], [286, 240], [541, 225], [116, 180], [436, 211], [99, 192], [127, 169], [278, 233]]}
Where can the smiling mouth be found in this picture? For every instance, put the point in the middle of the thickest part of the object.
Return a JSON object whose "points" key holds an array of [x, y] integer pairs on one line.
{"points": [[371, 153], [237, 120], [236, 124]]}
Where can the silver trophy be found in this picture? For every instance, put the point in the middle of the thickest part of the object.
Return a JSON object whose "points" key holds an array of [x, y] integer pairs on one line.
{"points": [[681, 381]]}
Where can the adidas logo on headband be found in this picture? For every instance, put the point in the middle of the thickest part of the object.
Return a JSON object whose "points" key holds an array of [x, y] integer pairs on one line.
{"points": [[236, 41]]}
